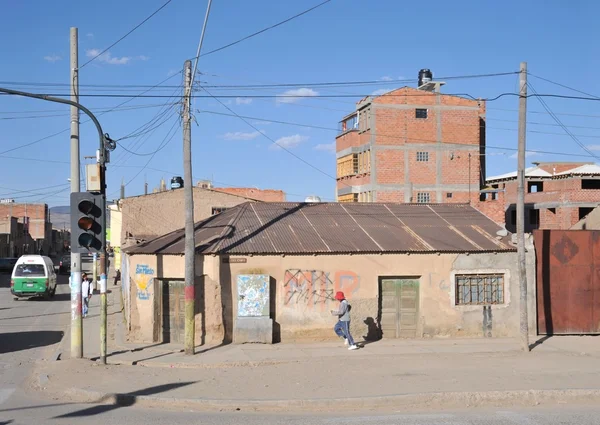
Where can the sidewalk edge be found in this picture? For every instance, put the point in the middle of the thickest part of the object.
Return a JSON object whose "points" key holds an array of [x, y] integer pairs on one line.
{"points": [[413, 401]]}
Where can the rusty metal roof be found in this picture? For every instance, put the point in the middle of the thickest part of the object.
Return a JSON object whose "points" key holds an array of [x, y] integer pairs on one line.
{"points": [[337, 228]]}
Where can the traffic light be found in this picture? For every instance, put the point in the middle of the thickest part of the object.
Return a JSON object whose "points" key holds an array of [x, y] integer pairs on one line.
{"points": [[87, 218]]}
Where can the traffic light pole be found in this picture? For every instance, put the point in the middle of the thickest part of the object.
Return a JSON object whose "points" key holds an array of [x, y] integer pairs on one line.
{"points": [[105, 145]]}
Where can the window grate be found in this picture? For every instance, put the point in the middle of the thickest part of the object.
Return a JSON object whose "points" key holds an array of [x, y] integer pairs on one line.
{"points": [[423, 197], [422, 156], [421, 113], [479, 289]]}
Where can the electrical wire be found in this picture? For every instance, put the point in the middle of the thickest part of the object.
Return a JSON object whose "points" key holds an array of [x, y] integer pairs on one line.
{"points": [[88, 120], [259, 85], [126, 35], [281, 96], [272, 140], [559, 122], [263, 30], [562, 85]]}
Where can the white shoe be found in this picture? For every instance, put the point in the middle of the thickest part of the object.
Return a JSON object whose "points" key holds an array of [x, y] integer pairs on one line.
{"points": [[353, 347], [346, 342]]}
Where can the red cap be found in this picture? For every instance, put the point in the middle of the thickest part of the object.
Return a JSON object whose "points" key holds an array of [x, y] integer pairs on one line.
{"points": [[340, 296]]}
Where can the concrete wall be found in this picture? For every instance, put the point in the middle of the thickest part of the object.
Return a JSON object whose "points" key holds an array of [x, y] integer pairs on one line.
{"points": [[302, 290]]}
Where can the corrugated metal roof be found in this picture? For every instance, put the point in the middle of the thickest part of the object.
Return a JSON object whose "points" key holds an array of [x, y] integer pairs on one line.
{"points": [[337, 228], [529, 172], [587, 169]]}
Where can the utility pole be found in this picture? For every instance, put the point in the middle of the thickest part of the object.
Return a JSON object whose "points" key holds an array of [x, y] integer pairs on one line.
{"points": [[522, 264], [76, 320], [188, 188]]}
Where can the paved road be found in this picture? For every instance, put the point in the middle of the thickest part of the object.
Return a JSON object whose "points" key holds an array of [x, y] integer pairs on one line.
{"points": [[102, 415], [30, 330]]}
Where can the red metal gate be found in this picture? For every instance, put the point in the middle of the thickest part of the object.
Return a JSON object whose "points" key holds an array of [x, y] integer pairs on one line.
{"points": [[568, 281]]}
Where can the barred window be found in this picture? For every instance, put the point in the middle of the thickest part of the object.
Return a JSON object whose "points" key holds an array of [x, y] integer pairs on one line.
{"points": [[479, 289], [422, 156], [217, 210], [421, 113], [423, 197]]}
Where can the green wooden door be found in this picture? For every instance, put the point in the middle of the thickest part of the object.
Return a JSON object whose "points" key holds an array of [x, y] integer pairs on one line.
{"points": [[399, 307]]}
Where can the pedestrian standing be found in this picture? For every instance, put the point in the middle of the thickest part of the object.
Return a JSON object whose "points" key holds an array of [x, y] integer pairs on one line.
{"points": [[86, 293], [342, 327]]}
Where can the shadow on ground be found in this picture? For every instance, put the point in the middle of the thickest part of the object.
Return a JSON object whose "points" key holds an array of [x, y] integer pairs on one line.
{"points": [[123, 400], [17, 341]]}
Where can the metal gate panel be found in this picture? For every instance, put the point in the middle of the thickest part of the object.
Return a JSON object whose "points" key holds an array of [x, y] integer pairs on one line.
{"points": [[568, 281]]}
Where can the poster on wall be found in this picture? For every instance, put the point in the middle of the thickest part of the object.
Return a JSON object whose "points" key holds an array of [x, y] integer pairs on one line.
{"points": [[253, 295]]}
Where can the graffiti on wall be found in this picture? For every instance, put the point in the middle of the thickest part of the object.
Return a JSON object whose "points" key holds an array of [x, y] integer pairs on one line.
{"points": [[144, 280], [315, 288], [253, 295]]}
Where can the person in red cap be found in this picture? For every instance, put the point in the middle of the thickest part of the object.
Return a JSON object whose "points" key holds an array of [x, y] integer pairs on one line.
{"points": [[342, 327]]}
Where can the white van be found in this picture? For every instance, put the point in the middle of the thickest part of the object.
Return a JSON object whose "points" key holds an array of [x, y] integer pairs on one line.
{"points": [[33, 275]]}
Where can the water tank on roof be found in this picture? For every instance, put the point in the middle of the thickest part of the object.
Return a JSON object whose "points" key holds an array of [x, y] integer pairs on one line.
{"points": [[425, 76], [176, 182], [312, 199]]}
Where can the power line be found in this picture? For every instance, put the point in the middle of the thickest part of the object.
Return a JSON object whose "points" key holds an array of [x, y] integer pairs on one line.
{"points": [[559, 122], [126, 35], [64, 114], [257, 86], [34, 191], [375, 134], [546, 113], [283, 96], [88, 120], [263, 30], [563, 86], [272, 140]]}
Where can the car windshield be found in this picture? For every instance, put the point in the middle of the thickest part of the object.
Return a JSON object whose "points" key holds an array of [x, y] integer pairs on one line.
{"points": [[30, 270]]}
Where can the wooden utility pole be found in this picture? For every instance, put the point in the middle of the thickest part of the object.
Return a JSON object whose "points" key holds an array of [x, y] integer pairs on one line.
{"points": [[188, 189], [522, 264], [76, 320]]}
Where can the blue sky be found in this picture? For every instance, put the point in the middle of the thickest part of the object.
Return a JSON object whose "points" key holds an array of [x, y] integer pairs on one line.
{"points": [[342, 41]]}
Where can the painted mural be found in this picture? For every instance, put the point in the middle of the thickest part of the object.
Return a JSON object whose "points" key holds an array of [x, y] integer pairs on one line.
{"points": [[253, 295], [144, 280]]}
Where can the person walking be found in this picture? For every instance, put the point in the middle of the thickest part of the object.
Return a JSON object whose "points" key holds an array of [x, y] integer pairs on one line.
{"points": [[342, 327], [86, 293]]}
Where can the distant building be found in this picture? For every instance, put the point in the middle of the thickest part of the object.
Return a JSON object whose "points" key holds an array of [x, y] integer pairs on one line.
{"points": [[36, 222], [14, 240], [412, 145], [264, 195], [557, 195], [148, 216]]}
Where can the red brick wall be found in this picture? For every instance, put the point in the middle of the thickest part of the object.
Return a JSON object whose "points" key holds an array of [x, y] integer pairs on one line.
{"points": [[37, 213], [347, 140], [265, 195], [493, 209], [391, 196], [356, 180], [398, 127], [390, 167]]}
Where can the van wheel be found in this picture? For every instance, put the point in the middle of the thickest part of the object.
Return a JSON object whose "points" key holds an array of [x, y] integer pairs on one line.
{"points": [[16, 298]]}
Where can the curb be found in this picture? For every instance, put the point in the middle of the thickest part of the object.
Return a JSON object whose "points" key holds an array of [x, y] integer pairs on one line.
{"points": [[407, 401]]}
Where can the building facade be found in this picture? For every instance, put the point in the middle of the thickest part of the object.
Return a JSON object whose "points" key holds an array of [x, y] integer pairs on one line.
{"points": [[412, 145], [409, 271], [14, 241], [36, 222], [557, 195], [148, 216]]}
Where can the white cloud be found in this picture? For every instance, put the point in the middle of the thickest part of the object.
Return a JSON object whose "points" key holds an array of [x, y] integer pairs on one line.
{"points": [[239, 135], [243, 101], [326, 147], [386, 78], [593, 147], [303, 92], [143, 58], [380, 92], [262, 123], [90, 35], [527, 154], [288, 142], [52, 58], [108, 58]]}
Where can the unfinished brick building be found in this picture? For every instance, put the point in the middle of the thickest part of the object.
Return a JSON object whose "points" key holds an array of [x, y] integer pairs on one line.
{"points": [[412, 145], [557, 195]]}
